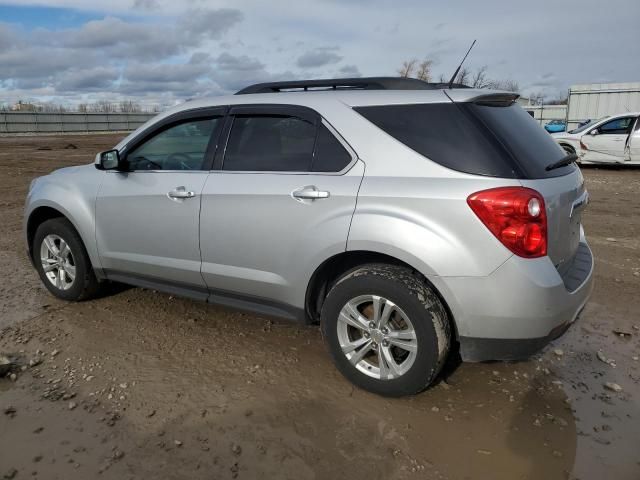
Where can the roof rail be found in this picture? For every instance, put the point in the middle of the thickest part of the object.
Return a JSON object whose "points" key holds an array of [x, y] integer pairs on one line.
{"points": [[363, 83]]}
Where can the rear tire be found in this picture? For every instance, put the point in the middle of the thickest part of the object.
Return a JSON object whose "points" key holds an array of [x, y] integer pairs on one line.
{"points": [[393, 352], [58, 248]]}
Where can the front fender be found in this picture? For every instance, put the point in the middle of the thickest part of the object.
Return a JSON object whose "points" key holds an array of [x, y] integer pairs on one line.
{"points": [[72, 192]]}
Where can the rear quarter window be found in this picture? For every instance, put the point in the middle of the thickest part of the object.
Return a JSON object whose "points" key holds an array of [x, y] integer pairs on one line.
{"points": [[497, 141]]}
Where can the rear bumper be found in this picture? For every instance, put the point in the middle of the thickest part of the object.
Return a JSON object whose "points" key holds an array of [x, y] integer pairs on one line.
{"points": [[519, 308], [505, 349]]}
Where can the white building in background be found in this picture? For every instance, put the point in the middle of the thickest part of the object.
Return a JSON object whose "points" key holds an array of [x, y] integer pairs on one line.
{"points": [[596, 100], [588, 102], [545, 113]]}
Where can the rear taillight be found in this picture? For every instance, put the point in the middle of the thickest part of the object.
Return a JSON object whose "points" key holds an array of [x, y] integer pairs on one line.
{"points": [[516, 216]]}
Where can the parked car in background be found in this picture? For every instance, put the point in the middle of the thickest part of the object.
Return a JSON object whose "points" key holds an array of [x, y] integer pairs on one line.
{"points": [[612, 139], [555, 126], [358, 208]]}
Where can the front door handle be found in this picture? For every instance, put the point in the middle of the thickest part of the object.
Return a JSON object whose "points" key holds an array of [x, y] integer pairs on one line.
{"points": [[180, 193], [309, 192]]}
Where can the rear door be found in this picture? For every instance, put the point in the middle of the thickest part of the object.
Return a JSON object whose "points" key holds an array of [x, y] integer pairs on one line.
{"points": [[280, 201], [607, 142], [147, 219]]}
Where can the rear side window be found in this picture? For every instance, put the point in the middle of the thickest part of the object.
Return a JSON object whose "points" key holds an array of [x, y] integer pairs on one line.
{"points": [[444, 134], [330, 155], [270, 143], [526, 142], [494, 141]]}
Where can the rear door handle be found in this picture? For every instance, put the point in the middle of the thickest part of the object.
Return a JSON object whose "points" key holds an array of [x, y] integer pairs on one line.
{"points": [[180, 193], [309, 192]]}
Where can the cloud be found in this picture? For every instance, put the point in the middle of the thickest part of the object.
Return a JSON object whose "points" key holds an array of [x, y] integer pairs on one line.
{"points": [[164, 50], [349, 71], [6, 36], [92, 79], [317, 58], [235, 72], [210, 23]]}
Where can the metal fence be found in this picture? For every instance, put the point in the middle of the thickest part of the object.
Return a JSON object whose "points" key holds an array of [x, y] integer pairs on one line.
{"points": [[35, 122]]}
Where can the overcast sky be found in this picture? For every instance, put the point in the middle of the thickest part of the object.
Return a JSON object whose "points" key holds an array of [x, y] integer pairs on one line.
{"points": [[163, 51]]}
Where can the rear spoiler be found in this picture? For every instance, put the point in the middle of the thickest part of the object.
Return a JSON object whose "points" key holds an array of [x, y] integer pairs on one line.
{"points": [[493, 99]]}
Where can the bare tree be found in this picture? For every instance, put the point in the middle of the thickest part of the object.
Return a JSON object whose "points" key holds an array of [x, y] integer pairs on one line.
{"points": [[464, 76], [129, 106], [408, 66], [537, 98], [507, 85], [424, 70], [480, 78], [103, 106], [560, 99]]}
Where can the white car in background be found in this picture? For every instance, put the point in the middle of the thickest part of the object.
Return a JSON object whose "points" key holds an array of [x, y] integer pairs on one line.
{"points": [[612, 139]]}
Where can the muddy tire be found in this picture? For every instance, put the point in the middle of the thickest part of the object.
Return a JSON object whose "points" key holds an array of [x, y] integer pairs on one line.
{"points": [[387, 330], [58, 249]]}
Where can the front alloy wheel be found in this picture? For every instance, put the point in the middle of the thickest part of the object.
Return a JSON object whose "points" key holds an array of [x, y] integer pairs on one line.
{"points": [[57, 261], [62, 261]]}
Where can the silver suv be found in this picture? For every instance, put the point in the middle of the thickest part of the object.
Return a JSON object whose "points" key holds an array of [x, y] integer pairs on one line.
{"points": [[408, 219]]}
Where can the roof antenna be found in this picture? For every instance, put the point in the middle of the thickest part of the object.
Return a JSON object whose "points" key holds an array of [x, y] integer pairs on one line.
{"points": [[460, 66]]}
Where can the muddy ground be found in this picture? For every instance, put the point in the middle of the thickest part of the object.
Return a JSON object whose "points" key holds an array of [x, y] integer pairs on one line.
{"points": [[140, 384]]}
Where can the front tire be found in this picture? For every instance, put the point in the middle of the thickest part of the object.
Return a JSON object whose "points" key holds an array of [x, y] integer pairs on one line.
{"points": [[387, 330], [62, 261]]}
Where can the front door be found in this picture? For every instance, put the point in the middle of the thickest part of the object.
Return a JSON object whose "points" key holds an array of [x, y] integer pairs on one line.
{"points": [[147, 218], [281, 201], [607, 142]]}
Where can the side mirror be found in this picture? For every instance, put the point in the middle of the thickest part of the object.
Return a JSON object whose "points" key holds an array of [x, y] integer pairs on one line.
{"points": [[109, 160], [594, 132]]}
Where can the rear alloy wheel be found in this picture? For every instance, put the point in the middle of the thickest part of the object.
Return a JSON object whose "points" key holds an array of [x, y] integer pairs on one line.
{"points": [[62, 261], [386, 329], [377, 337]]}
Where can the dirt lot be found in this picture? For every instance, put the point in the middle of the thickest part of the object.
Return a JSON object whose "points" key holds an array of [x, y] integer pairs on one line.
{"points": [[139, 384]]}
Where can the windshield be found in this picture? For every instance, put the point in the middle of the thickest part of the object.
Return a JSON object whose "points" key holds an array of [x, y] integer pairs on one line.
{"points": [[586, 125]]}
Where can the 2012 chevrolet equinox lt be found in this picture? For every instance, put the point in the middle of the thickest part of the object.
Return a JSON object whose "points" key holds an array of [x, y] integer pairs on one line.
{"points": [[404, 217]]}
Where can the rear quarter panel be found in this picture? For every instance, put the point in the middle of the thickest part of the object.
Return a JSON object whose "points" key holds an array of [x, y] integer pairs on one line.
{"points": [[427, 223]]}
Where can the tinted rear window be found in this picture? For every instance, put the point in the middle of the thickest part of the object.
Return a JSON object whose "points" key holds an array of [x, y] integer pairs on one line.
{"points": [[495, 141], [270, 143], [330, 155]]}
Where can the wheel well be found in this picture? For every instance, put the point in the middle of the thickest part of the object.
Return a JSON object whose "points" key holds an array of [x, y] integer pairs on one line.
{"points": [[332, 269], [567, 147], [37, 217]]}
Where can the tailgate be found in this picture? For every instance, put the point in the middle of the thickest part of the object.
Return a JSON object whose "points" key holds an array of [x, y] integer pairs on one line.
{"points": [[565, 198]]}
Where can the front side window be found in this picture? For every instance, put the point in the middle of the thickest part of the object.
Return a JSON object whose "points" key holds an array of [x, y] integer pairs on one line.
{"points": [[179, 147], [270, 143], [619, 126]]}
